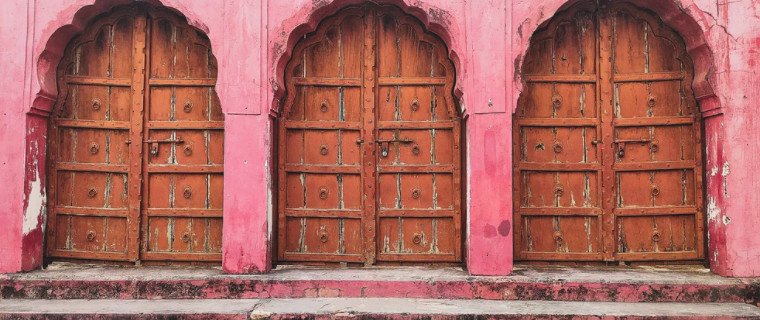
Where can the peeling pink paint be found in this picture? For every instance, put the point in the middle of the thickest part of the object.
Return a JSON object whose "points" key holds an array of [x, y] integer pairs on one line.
{"points": [[490, 288], [487, 40]]}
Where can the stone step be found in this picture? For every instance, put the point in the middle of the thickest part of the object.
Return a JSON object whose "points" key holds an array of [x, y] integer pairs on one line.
{"points": [[554, 284], [364, 308]]}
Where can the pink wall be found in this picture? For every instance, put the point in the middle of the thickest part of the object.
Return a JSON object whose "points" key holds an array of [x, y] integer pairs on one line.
{"points": [[487, 39]]}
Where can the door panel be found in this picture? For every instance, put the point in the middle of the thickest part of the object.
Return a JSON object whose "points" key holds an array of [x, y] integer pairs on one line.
{"points": [[181, 117], [618, 179], [369, 165], [88, 148], [100, 143]]}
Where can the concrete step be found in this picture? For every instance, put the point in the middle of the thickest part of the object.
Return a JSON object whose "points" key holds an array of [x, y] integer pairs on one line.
{"points": [[366, 308], [553, 284]]}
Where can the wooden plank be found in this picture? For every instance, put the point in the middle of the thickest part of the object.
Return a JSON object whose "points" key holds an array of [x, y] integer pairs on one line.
{"points": [[98, 81], [326, 82], [408, 81], [557, 122], [644, 77], [532, 166], [185, 169], [415, 169], [324, 213], [139, 75], [90, 167], [323, 169], [416, 257], [416, 125], [184, 256], [417, 213], [89, 255], [559, 211], [322, 257], [323, 125], [658, 121], [183, 212], [369, 171], [191, 125], [655, 211], [605, 92], [94, 212], [204, 82], [651, 166], [560, 78], [565, 256], [658, 256], [92, 124]]}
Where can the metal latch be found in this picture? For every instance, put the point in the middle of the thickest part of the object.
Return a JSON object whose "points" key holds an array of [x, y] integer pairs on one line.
{"points": [[621, 145], [384, 144], [155, 143]]}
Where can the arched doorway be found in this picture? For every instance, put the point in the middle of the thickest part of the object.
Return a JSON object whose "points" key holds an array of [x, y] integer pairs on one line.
{"points": [[369, 145], [607, 141], [135, 147]]}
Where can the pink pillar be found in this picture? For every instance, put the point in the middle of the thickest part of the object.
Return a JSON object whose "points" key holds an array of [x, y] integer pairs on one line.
{"points": [[241, 54], [489, 140], [20, 232]]}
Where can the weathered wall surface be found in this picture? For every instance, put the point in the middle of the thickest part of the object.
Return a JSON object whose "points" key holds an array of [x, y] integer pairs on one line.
{"points": [[487, 40]]}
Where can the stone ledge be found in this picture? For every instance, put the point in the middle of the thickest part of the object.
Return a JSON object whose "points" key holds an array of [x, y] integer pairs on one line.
{"points": [[365, 308], [554, 284]]}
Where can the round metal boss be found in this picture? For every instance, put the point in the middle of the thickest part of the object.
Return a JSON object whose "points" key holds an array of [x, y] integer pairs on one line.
{"points": [[415, 105], [94, 148]]}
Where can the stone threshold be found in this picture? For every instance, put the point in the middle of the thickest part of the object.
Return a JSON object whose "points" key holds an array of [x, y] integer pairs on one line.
{"points": [[600, 284], [366, 308]]}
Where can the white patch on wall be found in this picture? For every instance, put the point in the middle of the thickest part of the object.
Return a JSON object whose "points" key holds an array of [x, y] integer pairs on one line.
{"points": [[726, 170], [712, 209], [35, 206]]}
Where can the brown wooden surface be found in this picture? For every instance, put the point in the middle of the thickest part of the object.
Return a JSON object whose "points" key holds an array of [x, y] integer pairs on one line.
{"points": [[369, 142], [608, 162], [134, 76]]}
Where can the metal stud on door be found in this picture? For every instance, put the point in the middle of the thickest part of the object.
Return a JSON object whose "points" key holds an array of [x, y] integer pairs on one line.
{"points": [[356, 123]]}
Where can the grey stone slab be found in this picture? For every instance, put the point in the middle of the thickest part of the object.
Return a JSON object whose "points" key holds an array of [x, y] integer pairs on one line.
{"points": [[127, 307], [664, 275], [387, 306]]}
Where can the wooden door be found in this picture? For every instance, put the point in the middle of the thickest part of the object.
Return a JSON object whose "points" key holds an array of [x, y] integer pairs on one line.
{"points": [[136, 143], [607, 140], [369, 144]]}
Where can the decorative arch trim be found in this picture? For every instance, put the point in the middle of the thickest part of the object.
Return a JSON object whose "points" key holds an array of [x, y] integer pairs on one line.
{"points": [[437, 23], [684, 17], [53, 50]]}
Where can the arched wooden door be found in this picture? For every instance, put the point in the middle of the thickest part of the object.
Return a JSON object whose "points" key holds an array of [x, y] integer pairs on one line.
{"points": [[607, 142], [136, 143], [369, 164]]}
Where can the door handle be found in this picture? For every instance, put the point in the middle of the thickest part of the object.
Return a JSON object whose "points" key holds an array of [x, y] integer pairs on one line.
{"points": [[155, 143]]}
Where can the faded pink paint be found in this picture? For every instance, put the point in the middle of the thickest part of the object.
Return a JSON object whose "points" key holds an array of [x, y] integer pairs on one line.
{"points": [[487, 40]]}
